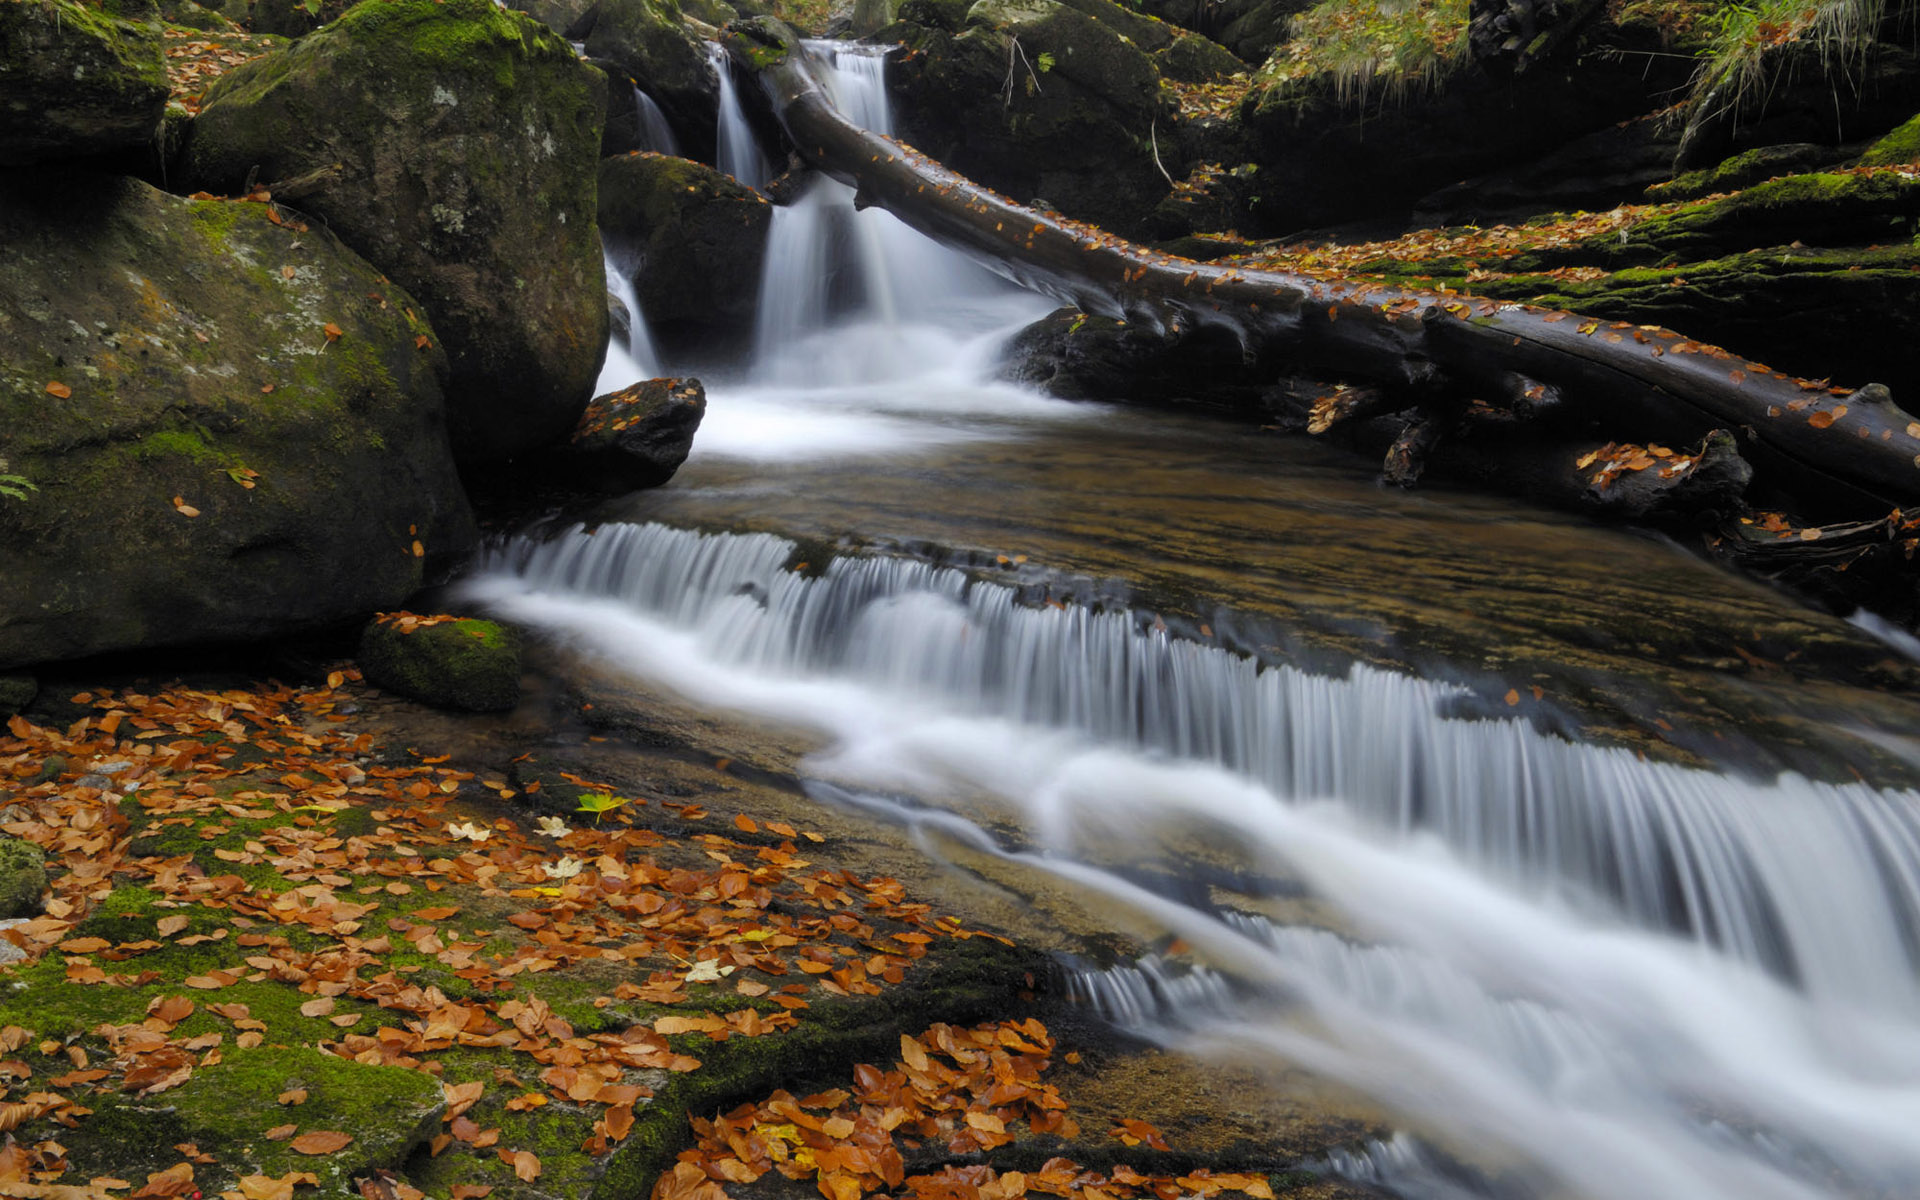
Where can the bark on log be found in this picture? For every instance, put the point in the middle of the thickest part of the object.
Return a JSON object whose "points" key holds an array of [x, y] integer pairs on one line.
{"points": [[1419, 348]]}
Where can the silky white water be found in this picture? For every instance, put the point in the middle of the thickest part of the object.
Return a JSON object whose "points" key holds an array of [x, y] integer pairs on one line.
{"points": [[1592, 975], [1634, 978]]}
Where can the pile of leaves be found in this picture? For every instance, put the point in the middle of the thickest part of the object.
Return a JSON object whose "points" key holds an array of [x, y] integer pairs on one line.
{"points": [[259, 872], [196, 58], [952, 1093]]}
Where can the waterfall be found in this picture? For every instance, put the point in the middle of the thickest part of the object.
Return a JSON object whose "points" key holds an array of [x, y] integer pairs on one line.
{"points": [[738, 153], [655, 133], [1627, 977], [635, 359]]}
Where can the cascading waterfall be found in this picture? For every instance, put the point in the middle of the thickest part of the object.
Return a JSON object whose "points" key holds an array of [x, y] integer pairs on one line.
{"points": [[635, 359], [1633, 978], [860, 318]]}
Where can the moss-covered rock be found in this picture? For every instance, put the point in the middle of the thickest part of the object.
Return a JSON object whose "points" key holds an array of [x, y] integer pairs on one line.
{"points": [[652, 44], [77, 80], [1191, 58], [295, 18], [1071, 122], [466, 664], [235, 425], [466, 139], [23, 877], [699, 239], [1742, 170], [192, 15], [1901, 147], [227, 1108]]}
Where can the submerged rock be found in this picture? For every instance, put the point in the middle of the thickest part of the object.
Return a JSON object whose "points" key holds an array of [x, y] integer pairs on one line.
{"points": [[78, 81], [235, 426], [456, 145], [458, 663], [702, 237]]}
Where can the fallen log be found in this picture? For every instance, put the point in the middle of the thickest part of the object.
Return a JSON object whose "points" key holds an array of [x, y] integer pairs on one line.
{"points": [[1828, 449]]}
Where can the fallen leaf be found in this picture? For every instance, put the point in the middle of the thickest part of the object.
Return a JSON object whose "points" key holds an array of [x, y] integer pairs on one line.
{"points": [[322, 1141], [60, 390], [332, 331]]}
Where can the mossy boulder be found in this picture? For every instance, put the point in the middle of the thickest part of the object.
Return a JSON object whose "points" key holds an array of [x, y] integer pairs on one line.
{"points": [[461, 141], [1191, 58], [1072, 122], [462, 664], [227, 1108], [23, 877], [78, 81], [1743, 170], [191, 15], [1248, 28], [697, 239], [235, 424], [650, 41]]}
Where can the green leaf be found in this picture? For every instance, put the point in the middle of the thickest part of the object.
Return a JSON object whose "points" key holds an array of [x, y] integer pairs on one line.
{"points": [[600, 804]]}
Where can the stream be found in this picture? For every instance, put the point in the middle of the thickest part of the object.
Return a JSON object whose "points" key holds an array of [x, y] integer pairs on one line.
{"points": [[1595, 865]]}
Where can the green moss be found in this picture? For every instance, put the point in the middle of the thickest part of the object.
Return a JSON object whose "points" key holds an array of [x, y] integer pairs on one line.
{"points": [[1358, 49], [468, 665], [1898, 148], [23, 877]]}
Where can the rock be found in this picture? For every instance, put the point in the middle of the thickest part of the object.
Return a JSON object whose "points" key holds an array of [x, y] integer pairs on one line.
{"points": [[463, 664], [565, 17], [871, 16], [296, 18], [636, 437], [466, 139], [77, 81], [1745, 170], [23, 877], [1191, 58], [1037, 98], [195, 16], [652, 44], [1603, 169], [1074, 356], [701, 238], [17, 690], [1248, 28], [161, 348], [1365, 141]]}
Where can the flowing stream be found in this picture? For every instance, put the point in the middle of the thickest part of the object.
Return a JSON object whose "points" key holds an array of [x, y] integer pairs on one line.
{"points": [[1598, 867]]}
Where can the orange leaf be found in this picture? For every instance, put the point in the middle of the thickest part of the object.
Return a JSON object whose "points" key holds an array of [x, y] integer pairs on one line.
{"points": [[58, 389], [1820, 420], [745, 824], [295, 1096], [526, 1165], [331, 330], [322, 1141], [280, 1133]]}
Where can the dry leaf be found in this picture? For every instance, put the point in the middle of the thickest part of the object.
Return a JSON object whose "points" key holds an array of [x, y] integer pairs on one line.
{"points": [[322, 1142]]}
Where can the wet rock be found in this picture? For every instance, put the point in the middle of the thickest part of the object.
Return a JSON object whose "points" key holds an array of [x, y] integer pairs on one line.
{"points": [[650, 42], [212, 461], [637, 437], [1603, 169], [702, 238], [78, 81], [23, 877], [1191, 58], [453, 144], [294, 18], [1036, 97], [1073, 356], [463, 664]]}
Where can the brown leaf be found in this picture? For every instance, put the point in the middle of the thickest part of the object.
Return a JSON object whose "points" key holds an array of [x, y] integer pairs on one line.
{"points": [[280, 1133], [526, 1164], [1820, 420], [183, 508], [317, 1008], [322, 1142], [168, 926], [293, 1096]]}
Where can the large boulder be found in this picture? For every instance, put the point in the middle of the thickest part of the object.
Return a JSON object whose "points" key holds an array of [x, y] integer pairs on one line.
{"points": [[77, 81], [455, 144], [649, 40], [695, 241], [233, 425], [1041, 99]]}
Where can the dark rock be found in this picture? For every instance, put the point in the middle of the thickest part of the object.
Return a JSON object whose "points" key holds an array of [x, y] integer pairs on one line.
{"points": [[698, 239], [296, 18], [1806, 92], [195, 16], [569, 18], [161, 348], [1248, 28], [23, 877], [1074, 356], [463, 664], [636, 437], [77, 81], [1039, 98], [1598, 171], [17, 690], [458, 144], [654, 47], [1355, 148]]}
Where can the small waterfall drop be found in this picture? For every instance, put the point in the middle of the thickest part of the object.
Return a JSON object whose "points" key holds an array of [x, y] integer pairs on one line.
{"points": [[738, 153], [634, 360], [655, 134], [1624, 977]]}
